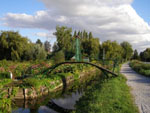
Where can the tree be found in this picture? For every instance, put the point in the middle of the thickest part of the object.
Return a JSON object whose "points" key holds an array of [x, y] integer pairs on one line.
{"points": [[39, 42], [85, 34], [63, 36], [89, 46], [39, 52], [90, 35], [47, 46], [145, 55], [127, 50], [58, 57], [35, 52], [111, 50], [12, 45], [28, 53], [135, 55], [75, 34], [55, 47], [64, 40]]}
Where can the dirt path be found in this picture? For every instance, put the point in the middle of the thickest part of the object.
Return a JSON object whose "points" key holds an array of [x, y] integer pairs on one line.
{"points": [[140, 88]]}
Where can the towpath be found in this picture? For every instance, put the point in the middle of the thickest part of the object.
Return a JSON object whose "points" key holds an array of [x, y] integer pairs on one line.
{"points": [[140, 88]]}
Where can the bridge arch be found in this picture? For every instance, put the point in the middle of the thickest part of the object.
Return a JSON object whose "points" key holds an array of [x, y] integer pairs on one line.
{"points": [[99, 67]]}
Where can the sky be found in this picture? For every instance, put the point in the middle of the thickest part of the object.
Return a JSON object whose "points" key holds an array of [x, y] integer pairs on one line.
{"points": [[116, 20]]}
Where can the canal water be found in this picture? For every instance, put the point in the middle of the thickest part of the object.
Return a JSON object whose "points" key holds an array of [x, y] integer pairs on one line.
{"points": [[58, 102]]}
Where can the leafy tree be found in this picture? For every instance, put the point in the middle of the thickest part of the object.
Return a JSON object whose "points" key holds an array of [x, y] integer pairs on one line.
{"points": [[112, 50], [63, 36], [39, 42], [58, 57], [64, 40], [127, 50], [28, 53], [75, 34], [135, 55], [89, 46], [47, 46], [55, 47], [12, 45], [39, 52], [145, 55], [90, 35], [85, 34], [35, 52]]}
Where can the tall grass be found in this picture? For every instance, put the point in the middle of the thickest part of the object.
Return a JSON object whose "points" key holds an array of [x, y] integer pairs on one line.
{"points": [[107, 96], [140, 67]]}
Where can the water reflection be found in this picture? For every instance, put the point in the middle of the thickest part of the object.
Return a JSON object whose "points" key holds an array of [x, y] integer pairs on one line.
{"points": [[68, 101], [63, 104], [21, 110], [45, 109]]}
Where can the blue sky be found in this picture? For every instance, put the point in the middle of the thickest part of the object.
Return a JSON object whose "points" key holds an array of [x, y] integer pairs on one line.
{"points": [[21, 6], [142, 7], [109, 20]]}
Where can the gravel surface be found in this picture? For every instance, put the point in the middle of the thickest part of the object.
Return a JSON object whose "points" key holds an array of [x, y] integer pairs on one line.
{"points": [[140, 88]]}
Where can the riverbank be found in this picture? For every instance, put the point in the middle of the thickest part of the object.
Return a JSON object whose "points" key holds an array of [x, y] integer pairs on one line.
{"points": [[107, 96], [33, 93], [39, 86]]}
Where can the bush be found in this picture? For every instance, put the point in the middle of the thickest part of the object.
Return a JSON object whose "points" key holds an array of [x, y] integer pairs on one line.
{"points": [[59, 57], [140, 67], [4, 75]]}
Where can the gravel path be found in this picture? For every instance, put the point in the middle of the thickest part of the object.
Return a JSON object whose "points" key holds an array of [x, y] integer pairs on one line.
{"points": [[140, 88]]}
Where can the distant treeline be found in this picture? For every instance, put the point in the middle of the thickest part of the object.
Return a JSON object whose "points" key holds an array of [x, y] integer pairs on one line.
{"points": [[13, 46], [143, 56]]}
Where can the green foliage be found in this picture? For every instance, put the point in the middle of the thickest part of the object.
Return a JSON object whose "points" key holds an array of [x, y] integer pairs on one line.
{"points": [[90, 47], [35, 52], [145, 55], [59, 57], [15, 47], [39, 42], [31, 82], [39, 52], [107, 96], [5, 103], [4, 75], [64, 41], [63, 35], [140, 67], [12, 45], [135, 55], [47, 46], [127, 50], [111, 50]]}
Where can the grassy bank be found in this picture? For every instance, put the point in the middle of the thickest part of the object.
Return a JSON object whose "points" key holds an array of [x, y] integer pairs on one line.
{"points": [[107, 96], [140, 67], [36, 80]]}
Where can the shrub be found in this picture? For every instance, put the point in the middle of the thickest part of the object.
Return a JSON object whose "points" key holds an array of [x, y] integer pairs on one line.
{"points": [[140, 67], [4, 75]]}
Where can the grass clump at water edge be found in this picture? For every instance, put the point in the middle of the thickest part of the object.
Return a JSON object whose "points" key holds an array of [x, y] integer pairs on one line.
{"points": [[107, 96]]}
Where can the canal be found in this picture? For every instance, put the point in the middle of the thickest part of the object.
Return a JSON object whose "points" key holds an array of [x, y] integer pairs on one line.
{"points": [[61, 101]]}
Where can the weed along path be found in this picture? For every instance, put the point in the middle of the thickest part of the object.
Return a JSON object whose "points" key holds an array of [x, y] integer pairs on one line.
{"points": [[140, 88]]}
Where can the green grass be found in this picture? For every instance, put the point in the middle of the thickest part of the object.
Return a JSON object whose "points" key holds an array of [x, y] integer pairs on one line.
{"points": [[107, 96], [140, 67]]}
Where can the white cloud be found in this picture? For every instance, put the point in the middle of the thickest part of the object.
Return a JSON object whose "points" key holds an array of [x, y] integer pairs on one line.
{"points": [[45, 34], [107, 19]]}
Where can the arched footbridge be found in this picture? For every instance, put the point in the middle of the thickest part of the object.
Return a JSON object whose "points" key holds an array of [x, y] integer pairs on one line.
{"points": [[49, 70]]}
